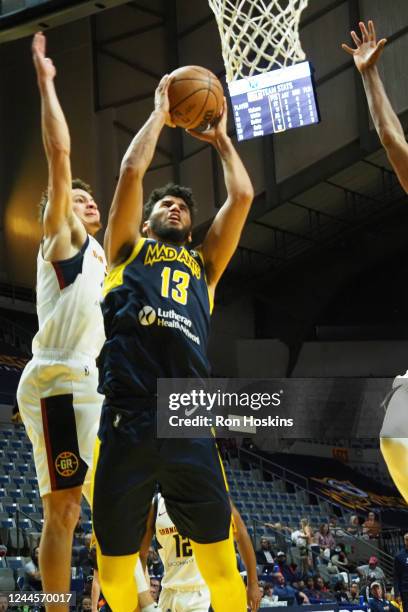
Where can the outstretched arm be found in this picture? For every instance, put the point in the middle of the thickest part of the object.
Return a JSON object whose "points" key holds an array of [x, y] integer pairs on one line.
{"points": [[56, 141], [386, 122], [125, 216], [246, 550], [223, 236]]}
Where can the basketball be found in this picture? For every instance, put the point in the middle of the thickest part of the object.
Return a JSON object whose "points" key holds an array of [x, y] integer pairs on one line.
{"points": [[196, 97]]}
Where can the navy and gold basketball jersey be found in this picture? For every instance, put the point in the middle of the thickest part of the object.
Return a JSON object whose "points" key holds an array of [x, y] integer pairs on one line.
{"points": [[157, 313]]}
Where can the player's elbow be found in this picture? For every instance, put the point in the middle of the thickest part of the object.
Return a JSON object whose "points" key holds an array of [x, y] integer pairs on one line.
{"points": [[245, 195], [130, 169], [389, 137]]}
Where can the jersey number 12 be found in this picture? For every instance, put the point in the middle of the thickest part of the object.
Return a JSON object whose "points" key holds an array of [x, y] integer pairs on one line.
{"points": [[183, 546]]}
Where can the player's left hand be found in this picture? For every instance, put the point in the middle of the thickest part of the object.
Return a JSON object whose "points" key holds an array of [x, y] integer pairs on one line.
{"points": [[217, 131], [368, 50], [253, 596]]}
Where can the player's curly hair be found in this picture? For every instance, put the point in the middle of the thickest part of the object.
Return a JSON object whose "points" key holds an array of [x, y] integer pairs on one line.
{"points": [[77, 183], [185, 193]]}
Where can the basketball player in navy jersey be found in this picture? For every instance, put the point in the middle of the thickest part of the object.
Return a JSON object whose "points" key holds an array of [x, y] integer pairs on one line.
{"points": [[158, 299], [57, 395], [394, 433]]}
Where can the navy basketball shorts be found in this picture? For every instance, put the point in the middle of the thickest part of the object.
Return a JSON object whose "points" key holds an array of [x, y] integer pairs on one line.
{"points": [[130, 463]]}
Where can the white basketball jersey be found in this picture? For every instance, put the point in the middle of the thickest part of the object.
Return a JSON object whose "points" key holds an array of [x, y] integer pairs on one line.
{"points": [[180, 568], [68, 301]]}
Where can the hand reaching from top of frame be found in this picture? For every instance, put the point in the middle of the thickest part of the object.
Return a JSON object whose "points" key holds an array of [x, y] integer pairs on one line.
{"points": [[43, 65], [368, 50], [217, 131], [161, 99]]}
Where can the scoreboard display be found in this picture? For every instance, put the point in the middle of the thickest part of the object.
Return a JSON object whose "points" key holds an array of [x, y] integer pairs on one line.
{"points": [[274, 101]]}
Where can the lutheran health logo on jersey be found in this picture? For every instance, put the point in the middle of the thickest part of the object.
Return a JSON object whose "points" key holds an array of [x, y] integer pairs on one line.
{"points": [[167, 318]]}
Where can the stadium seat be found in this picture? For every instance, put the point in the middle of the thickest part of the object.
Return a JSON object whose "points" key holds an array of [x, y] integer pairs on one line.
{"points": [[7, 582], [16, 444], [18, 481], [32, 480], [12, 455], [15, 562], [4, 480]]}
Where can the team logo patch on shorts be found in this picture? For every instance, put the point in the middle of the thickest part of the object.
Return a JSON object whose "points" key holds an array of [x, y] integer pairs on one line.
{"points": [[66, 464]]}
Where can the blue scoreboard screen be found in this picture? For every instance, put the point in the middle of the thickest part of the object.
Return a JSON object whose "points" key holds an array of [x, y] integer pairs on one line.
{"points": [[274, 101]]}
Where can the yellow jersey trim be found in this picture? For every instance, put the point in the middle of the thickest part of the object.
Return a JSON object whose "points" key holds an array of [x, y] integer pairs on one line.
{"points": [[210, 295], [115, 276]]}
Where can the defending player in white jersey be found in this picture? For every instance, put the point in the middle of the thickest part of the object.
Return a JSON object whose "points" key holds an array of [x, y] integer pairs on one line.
{"points": [[367, 51], [183, 587], [57, 393]]}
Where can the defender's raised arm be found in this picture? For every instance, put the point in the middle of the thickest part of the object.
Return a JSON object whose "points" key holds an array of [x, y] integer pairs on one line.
{"points": [[386, 122], [57, 144]]}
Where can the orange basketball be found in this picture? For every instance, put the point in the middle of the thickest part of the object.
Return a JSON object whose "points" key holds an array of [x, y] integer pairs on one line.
{"points": [[196, 97]]}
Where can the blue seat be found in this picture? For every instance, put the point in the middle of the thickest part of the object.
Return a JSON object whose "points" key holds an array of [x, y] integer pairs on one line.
{"points": [[10, 508], [4, 479], [15, 562], [239, 505], [17, 444], [26, 456], [32, 480], [12, 455], [23, 467], [87, 525], [18, 481]]}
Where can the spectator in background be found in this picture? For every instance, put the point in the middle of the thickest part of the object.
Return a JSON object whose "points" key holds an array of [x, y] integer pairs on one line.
{"points": [[371, 573], [335, 530], [154, 563], [4, 606], [281, 567], [371, 527], [339, 559], [155, 588], [340, 592], [268, 598], [354, 594], [376, 601], [264, 556], [401, 575], [324, 538], [286, 592], [33, 571], [86, 605], [354, 528], [281, 540], [323, 589], [302, 538]]}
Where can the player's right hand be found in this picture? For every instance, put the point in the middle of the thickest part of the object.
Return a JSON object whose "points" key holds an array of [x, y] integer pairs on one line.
{"points": [[368, 50], [43, 65], [161, 99], [254, 596]]}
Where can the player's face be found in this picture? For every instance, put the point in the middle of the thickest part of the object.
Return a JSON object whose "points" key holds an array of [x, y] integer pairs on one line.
{"points": [[86, 209], [170, 220]]}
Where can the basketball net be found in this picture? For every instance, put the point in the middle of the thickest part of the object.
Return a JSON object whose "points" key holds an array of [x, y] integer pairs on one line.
{"points": [[258, 35]]}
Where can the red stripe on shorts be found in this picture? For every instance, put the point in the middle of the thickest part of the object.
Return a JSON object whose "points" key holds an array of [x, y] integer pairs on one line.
{"points": [[48, 444]]}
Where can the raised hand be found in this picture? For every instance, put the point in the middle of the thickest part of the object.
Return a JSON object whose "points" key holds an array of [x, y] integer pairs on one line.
{"points": [[43, 65], [161, 99], [217, 131], [367, 50]]}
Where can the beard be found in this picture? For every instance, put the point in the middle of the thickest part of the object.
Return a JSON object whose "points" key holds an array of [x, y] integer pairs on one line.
{"points": [[167, 233]]}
